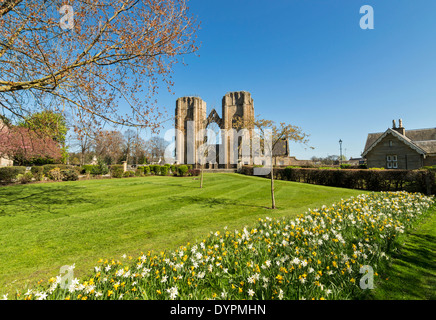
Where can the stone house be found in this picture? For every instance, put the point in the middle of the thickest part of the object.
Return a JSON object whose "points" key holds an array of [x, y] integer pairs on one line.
{"points": [[398, 148]]}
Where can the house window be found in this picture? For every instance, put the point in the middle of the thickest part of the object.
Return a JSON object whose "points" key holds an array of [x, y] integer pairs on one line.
{"points": [[392, 162], [390, 143]]}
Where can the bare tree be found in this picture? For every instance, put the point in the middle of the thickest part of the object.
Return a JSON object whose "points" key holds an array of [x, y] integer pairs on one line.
{"points": [[129, 140], [272, 139], [90, 56], [108, 146], [156, 148]]}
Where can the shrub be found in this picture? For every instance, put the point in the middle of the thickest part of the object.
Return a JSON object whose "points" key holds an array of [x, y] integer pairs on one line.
{"points": [[55, 174], [345, 166], [38, 172], [182, 170], [128, 174], [164, 170], [48, 167], [139, 172], [86, 169], [431, 168], [173, 169], [155, 169], [194, 172], [69, 175], [9, 174], [147, 170], [100, 169], [25, 178], [116, 171]]}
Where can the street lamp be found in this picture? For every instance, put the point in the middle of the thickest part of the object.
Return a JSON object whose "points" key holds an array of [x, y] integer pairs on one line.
{"points": [[340, 148]]}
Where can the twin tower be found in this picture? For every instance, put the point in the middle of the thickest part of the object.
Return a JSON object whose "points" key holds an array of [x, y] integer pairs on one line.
{"points": [[191, 121]]}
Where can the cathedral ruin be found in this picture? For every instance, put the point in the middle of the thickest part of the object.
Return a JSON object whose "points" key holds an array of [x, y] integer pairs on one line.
{"points": [[233, 146]]}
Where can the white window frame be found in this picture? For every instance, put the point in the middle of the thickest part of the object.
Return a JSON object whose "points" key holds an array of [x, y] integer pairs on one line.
{"points": [[392, 161]]}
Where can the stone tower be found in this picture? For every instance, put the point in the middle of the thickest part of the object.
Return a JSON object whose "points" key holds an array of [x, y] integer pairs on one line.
{"points": [[191, 120], [237, 105], [189, 111]]}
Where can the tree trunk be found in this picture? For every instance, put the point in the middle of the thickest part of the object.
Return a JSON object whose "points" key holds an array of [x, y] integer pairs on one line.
{"points": [[273, 200]]}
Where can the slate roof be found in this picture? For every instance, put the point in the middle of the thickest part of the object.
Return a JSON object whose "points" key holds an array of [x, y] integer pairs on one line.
{"points": [[424, 139]]}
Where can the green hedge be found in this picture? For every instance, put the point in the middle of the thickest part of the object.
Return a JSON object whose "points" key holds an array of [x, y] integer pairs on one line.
{"points": [[139, 172], [147, 170], [9, 174], [46, 168], [164, 170], [155, 169], [182, 170], [95, 170], [86, 169], [423, 181], [25, 178], [129, 174], [69, 175], [38, 172], [116, 171], [194, 172]]}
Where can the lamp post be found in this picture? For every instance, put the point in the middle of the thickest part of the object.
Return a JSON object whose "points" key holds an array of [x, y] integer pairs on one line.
{"points": [[340, 148]]}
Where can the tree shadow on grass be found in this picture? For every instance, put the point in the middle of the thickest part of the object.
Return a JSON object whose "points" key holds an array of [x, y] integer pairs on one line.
{"points": [[411, 274], [212, 202], [37, 200]]}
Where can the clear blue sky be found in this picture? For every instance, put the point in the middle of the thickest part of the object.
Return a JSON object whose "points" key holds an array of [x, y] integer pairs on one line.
{"points": [[308, 63]]}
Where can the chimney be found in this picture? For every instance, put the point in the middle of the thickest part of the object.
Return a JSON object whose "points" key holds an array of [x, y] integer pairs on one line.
{"points": [[400, 128]]}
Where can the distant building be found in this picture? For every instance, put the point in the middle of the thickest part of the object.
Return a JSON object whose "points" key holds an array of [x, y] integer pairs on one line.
{"points": [[398, 148], [4, 160], [355, 161]]}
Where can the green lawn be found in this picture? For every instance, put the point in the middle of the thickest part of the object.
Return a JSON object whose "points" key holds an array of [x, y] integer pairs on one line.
{"points": [[411, 274], [48, 225]]}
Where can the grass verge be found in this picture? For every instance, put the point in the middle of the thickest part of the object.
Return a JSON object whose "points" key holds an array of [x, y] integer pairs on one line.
{"points": [[411, 273]]}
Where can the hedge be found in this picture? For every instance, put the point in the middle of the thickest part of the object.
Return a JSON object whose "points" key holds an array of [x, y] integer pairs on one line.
{"points": [[69, 175], [423, 181], [139, 171], [146, 170], [95, 170], [38, 172], [194, 172], [164, 170], [116, 171], [48, 167], [9, 174], [182, 170]]}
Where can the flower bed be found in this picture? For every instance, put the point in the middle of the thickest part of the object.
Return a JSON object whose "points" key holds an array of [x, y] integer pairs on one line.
{"points": [[318, 255]]}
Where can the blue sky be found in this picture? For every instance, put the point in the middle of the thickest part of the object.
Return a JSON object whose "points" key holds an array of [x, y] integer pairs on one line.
{"points": [[308, 63]]}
